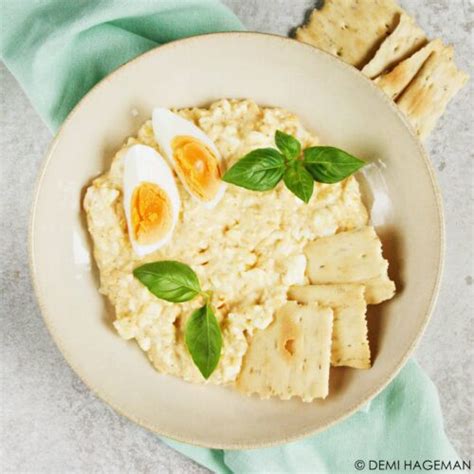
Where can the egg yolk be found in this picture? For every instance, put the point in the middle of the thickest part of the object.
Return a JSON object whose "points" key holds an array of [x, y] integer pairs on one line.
{"points": [[151, 213], [197, 166]]}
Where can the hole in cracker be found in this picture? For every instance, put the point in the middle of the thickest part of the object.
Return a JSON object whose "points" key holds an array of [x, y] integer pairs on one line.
{"points": [[290, 346]]}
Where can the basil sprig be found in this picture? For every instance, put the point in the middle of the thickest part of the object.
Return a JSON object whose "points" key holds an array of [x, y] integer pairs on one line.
{"points": [[176, 282], [330, 165], [299, 181], [169, 280], [262, 169], [259, 170], [204, 340], [288, 145]]}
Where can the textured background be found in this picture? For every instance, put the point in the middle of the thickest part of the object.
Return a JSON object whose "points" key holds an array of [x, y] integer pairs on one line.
{"points": [[50, 422]]}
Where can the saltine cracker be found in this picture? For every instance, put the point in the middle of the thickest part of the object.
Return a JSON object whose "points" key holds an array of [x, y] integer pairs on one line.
{"points": [[291, 357], [426, 97], [406, 39], [351, 30], [354, 256], [394, 82], [350, 346]]}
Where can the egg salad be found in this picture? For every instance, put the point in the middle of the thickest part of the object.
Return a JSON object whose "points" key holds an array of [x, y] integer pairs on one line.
{"points": [[163, 198]]}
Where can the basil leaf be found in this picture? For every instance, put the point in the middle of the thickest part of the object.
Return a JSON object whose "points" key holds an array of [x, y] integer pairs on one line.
{"points": [[169, 280], [204, 340], [259, 170], [299, 181], [330, 165], [288, 145]]}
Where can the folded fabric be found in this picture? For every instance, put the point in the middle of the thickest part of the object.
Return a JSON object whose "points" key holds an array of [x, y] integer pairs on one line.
{"points": [[58, 50], [403, 424]]}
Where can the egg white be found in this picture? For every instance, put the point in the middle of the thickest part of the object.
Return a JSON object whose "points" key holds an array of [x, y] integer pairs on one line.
{"points": [[166, 126], [142, 163]]}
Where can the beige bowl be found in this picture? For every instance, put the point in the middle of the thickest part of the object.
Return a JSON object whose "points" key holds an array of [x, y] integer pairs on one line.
{"points": [[344, 109]]}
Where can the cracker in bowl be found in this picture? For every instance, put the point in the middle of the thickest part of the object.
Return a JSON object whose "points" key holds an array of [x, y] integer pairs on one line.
{"points": [[292, 356], [350, 346], [351, 257]]}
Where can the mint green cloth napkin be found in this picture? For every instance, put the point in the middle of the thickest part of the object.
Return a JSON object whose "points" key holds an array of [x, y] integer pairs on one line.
{"points": [[58, 49], [404, 423]]}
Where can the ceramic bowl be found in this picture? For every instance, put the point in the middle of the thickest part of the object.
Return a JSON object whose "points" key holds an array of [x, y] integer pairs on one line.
{"points": [[344, 109]]}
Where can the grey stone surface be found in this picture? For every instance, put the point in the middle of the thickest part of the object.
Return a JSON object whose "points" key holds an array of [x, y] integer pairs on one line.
{"points": [[51, 423]]}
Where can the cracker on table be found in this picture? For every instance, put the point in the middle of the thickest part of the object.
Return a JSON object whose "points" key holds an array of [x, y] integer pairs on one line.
{"points": [[406, 39], [354, 256], [394, 82], [426, 97], [291, 357], [350, 29], [350, 346]]}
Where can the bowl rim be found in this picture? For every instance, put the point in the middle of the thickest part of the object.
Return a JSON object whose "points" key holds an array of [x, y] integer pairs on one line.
{"points": [[251, 444]]}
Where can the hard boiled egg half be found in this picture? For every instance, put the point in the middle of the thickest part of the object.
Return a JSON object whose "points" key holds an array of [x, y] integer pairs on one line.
{"points": [[192, 154], [151, 199]]}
